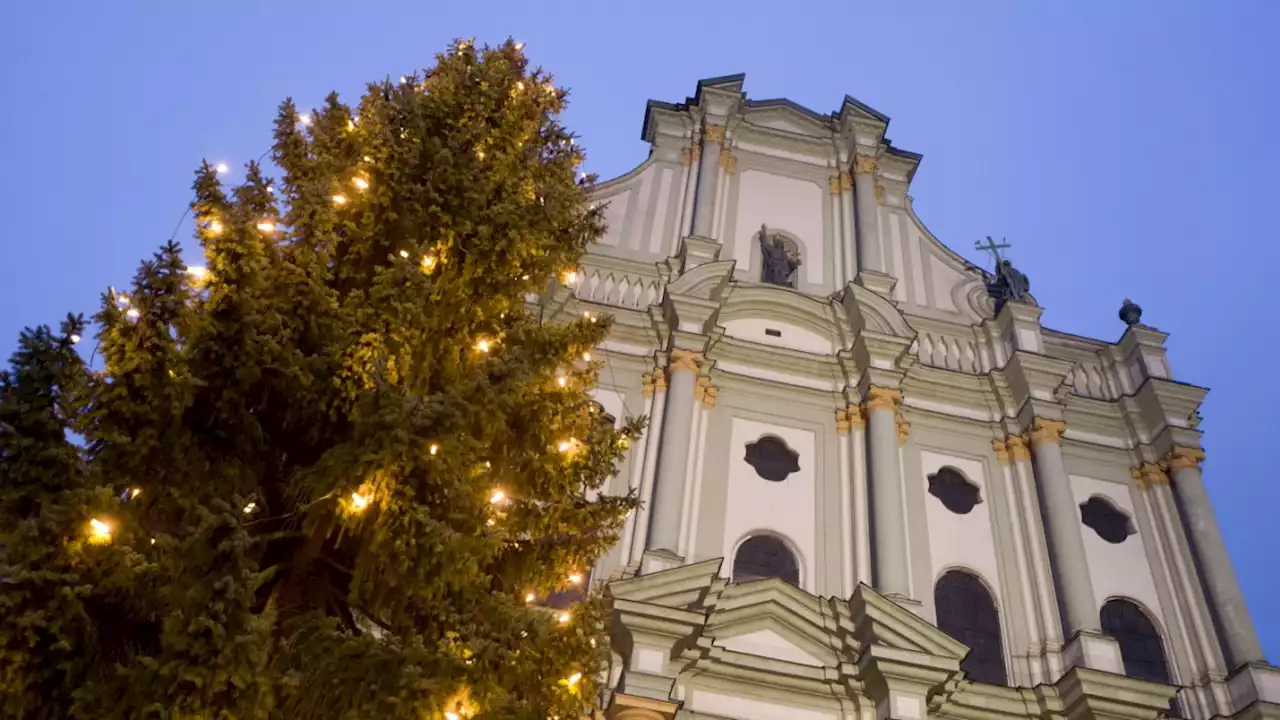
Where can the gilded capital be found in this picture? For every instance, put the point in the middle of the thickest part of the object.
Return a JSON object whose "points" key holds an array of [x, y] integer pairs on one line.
{"points": [[846, 181], [882, 398], [904, 431], [727, 160], [833, 184], [1044, 430], [863, 164], [1018, 448], [706, 392], [1181, 458], [1002, 451], [684, 360], [1148, 474], [654, 381], [850, 418], [714, 133]]}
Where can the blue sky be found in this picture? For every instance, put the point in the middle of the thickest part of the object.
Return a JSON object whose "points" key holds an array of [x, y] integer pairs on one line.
{"points": [[1126, 149]]}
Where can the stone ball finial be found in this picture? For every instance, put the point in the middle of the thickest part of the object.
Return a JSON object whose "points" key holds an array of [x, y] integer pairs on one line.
{"points": [[1130, 313]]}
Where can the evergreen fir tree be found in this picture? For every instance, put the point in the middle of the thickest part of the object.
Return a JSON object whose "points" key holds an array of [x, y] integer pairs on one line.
{"points": [[331, 474]]}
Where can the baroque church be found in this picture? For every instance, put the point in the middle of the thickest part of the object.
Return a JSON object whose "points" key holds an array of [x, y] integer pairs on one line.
{"points": [[874, 486]]}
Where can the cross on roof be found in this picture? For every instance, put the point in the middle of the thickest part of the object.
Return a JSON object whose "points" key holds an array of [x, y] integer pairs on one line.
{"points": [[992, 247]]}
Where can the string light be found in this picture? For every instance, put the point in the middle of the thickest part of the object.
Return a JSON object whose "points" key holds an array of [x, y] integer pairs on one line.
{"points": [[250, 507], [565, 446], [570, 277], [339, 199], [575, 579], [490, 522], [223, 169], [434, 448], [75, 338], [483, 346], [497, 497], [562, 381], [519, 46], [428, 263], [360, 183], [351, 124], [271, 189], [135, 492], [573, 679], [132, 313], [404, 253], [530, 598], [565, 618], [122, 299], [359, 502], [586, 356], [198, 273], [366, 158], [99, 532], [153, 541], [267, 226], [450, 715], [304, 118], [215, 227]]}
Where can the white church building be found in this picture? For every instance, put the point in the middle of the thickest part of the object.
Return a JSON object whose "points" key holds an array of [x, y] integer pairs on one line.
{"points": [[874, 485]]}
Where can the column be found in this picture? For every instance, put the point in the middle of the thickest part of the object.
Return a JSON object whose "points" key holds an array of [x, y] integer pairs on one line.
{"points": [[673, 456], [846, 226], [864, 190], [888, 524], [1062, 520], [1239, 639], [708, 172]]}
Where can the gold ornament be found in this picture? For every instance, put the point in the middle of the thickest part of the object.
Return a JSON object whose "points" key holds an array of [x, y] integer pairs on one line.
{"points": [[1019, 449], [882, 398], [1183, 458], [1044, 430], [1002, 451], [684, 360], [863, 164], [714, 133]]}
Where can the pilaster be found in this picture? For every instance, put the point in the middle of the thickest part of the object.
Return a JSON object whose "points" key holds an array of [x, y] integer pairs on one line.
{"points": [[669, 490], [892, 576]]}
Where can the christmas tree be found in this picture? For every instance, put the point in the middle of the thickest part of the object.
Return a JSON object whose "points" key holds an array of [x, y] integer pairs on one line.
{"points": [[334, 472]]}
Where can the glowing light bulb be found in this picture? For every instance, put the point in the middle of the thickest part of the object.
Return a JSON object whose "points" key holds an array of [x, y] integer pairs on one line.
{"points": [[267, 226], [223, 169], [452, 716], [132, 313], [250, 508], [351, 124], [497, 496], [530, 598], [483, 346], [215, 227], [490, 522], [135, 492], [75, 338], [586, 356], [198, 273], [271, 189], [573, 679], [434, 448], [519, 46], [361, 183], [403, 79], [575, 579], [428, 262], [404, 253], [570, 277], [565, 446], [366, 158], [122, 299], [153, 541], [519, 85], [339, 199], [304, 118], [562, 381], [524, 277], [359, 502], [565, 618], [99, 532]]}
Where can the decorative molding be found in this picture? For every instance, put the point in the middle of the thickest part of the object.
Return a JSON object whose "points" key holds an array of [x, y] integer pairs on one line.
{"points": [[1182, 458], [864, 164], [706, 392], [684, 360], [728, 161], [1002, 451], [1044, 430], [904, 430], [1019, 448], [846, 182], [833, 184], [883, 398], [1149, 474], [714, 133]]}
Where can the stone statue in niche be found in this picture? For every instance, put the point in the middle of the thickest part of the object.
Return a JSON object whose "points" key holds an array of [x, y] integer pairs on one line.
{"points": [[779, 263]]}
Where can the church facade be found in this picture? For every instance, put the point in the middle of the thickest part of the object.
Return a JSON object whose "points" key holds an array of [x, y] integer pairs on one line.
{"points": [[874, 485]]}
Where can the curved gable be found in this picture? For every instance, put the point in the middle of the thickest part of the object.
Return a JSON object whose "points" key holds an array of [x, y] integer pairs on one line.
{"points": [[780, 317]]}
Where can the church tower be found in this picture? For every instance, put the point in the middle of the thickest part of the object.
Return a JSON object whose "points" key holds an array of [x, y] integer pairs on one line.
{"points": [[874, 485]]}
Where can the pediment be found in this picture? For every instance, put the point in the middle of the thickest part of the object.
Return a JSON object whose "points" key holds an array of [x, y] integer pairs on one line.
{"points": [[880, 621], [777, 643], [785, 116], [749, 308], [705, 282], [681, 587], [868, 310]]}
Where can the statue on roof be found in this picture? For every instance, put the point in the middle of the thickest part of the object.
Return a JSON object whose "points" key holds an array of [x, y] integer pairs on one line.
{"points": [[1008, 283], [780, 263]]}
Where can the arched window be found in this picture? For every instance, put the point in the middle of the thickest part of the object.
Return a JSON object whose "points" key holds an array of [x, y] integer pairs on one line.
{"points": [[1140, 645], [967, 613], [954, 490], [765, 556]]}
